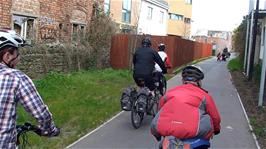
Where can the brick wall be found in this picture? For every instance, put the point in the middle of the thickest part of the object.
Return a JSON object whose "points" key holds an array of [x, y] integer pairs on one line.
{"points": [[5, 16], [39, 60], [53, 20]]}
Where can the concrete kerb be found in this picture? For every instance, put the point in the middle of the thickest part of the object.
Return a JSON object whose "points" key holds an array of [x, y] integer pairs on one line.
{"points": [[245, 113], [96, 129]]}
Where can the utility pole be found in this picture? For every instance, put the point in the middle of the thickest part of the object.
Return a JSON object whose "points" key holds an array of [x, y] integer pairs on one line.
{"points": [[253, 42]]}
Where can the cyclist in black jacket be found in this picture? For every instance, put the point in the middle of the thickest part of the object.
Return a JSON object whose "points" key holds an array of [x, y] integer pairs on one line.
{"points": [[144, 60]]}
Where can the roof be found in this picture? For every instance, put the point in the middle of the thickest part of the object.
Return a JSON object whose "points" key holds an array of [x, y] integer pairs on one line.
{"points": [[262, 14], [160, 3]]}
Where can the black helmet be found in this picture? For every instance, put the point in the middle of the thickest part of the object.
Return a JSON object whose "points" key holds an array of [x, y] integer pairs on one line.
{"points": [[161, 47], [192, 73], [146, 42]]}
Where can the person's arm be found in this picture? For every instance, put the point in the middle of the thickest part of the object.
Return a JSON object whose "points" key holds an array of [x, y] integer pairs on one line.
{"points": [[212, 110], [160, 62], [32, 102], [168, 62]]}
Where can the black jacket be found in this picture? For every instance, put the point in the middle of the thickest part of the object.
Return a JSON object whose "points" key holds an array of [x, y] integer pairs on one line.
{"points": [[144, 59]]}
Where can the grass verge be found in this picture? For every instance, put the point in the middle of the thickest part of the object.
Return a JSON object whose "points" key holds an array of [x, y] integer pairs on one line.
{"points": [[235, 64], [79, 103]]}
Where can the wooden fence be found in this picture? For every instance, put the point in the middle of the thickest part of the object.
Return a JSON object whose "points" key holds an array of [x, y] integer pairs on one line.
{"points": [[179, 50]]}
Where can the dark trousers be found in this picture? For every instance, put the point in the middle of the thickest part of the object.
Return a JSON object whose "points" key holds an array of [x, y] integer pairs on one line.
{"points": [[144, 80]]}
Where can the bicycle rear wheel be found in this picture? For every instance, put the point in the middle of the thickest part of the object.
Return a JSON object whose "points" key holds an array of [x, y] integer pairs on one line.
{"points": [[136, 118], [155, 106], [163, 86]]}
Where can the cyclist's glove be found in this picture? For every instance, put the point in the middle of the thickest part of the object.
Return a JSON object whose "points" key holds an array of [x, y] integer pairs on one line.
{"points": [[51, 132]]}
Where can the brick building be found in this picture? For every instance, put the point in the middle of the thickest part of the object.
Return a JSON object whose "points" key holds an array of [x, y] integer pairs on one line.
{"points": [[46, 20], [218, 39]]}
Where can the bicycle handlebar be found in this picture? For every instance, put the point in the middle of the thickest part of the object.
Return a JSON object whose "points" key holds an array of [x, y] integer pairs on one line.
{"points": [[28, 127]]}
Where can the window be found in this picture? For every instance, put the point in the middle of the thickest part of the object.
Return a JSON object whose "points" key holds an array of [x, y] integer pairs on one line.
{"points": [[107, 6], [126, 11], [149, 15], [189, 2], [173, 16], [187, 20], [161, 17], [78, 30], [24, 26]]}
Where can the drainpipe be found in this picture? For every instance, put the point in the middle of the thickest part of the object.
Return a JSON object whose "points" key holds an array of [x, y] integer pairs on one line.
{"points": [[250, 43], [247, 43], [248, 36]]}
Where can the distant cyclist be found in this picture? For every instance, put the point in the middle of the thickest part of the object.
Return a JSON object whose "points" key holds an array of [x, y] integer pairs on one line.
{"points": [[17, 87], [165, 58], [187, 111], [144, 60]]}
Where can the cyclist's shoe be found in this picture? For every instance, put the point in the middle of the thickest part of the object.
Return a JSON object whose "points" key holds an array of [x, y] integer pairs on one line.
{"points": [[151, 95]]}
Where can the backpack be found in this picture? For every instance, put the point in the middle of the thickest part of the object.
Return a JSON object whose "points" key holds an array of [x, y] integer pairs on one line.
{"points": [[170, 142], [126, 98], [142, 97]]}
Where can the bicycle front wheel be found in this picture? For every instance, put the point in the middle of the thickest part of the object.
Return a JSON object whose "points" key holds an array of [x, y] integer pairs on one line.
{"points": [[136, 118], [155, 106]]}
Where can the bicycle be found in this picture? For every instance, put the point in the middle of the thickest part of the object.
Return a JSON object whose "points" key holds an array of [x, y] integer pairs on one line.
{"points": [[22, 130], [152, 105], [162, 83]]}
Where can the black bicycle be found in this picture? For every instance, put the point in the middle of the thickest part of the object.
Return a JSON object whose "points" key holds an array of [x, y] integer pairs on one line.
{"points": [[152, 105], [22, 130]]}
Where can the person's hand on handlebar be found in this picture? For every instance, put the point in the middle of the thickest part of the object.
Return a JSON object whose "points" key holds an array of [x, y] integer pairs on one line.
{"points": [[52, 132]]}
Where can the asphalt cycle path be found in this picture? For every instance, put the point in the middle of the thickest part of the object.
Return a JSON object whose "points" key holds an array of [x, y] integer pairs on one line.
{"points": [[118, 132]]}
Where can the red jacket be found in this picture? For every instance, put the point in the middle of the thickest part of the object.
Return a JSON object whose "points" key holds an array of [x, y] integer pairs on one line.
{"points": [[187, 111]]}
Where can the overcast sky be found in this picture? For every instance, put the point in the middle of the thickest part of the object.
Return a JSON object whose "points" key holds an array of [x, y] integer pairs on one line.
{"points": [[224, 15]]}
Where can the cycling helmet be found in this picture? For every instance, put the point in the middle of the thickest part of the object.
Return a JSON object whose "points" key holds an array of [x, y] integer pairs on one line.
{"points": [[146, 42], [192, 73], [10, 38], [161, 47]]}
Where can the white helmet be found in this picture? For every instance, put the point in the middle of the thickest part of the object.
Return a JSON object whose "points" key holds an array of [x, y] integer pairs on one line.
{"points": [[10, 38]]}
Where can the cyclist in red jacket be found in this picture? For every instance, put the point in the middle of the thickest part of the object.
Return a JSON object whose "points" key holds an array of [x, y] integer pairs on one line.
{"points": [[187, 111]]}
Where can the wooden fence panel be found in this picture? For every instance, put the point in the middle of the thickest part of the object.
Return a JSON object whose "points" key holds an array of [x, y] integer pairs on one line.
{"points": [[119, 53], [179, 50]]}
